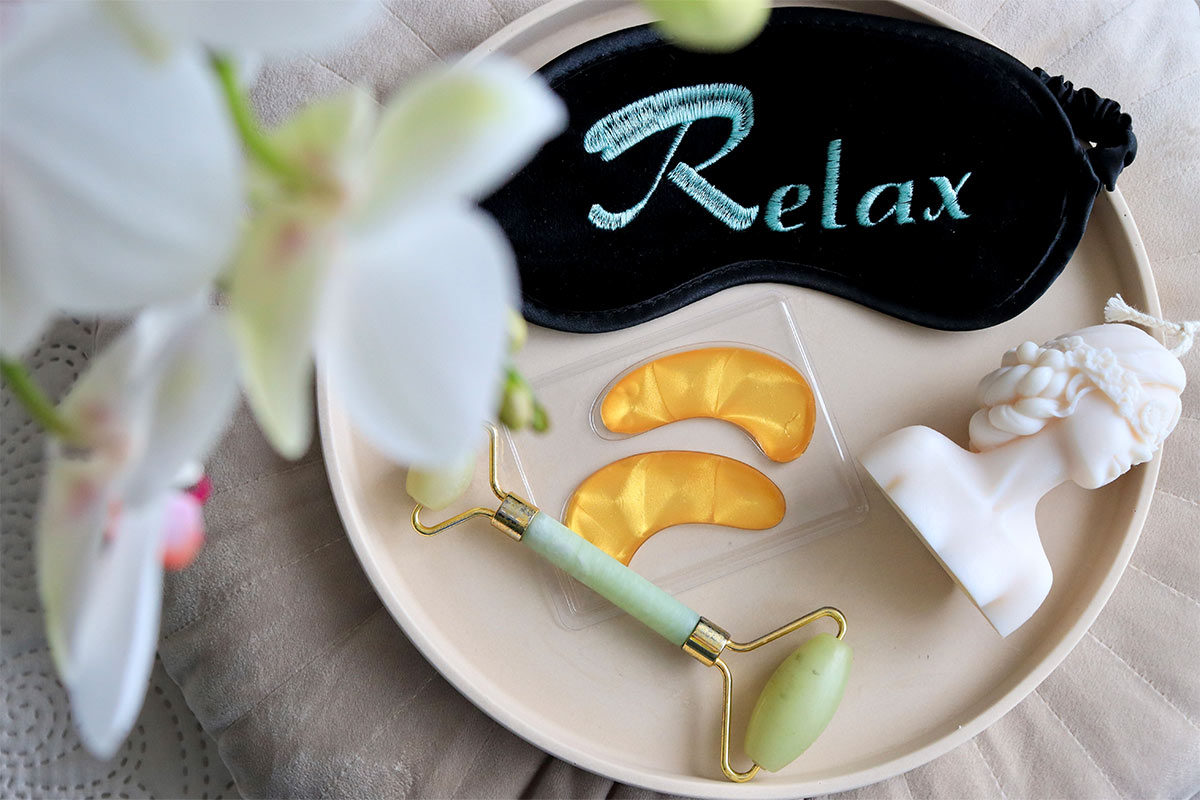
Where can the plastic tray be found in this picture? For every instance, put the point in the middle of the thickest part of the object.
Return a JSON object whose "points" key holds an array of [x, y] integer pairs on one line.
{"points": [[821, 487]]}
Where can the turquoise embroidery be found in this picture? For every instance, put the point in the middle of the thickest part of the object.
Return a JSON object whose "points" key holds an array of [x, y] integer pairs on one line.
{"points": [[775, 209], [949, 198], [833, 169], [678, 108], [719, 204], [617, 132], [609, 221], [901, 208]]}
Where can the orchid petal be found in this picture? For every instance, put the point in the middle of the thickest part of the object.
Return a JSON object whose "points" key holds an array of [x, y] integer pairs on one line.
{"points": [[193, 380], [24, 311], [107, 403], [274, 297], [328, 138], [173, 367], [259, 26], [413, 331], [131, 166], [74, 511], [156, 399], [118, 630], [277, 276], [459, 133]]}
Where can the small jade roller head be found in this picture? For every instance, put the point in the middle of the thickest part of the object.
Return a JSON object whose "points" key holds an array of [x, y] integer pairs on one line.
{"points": [[1115, 388]]}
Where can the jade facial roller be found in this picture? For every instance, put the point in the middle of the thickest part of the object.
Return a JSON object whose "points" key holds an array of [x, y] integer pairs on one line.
{"points": [[797, 702]]}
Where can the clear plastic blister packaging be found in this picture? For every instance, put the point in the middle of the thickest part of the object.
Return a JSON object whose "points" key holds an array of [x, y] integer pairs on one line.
{"points": [[821, 488]]}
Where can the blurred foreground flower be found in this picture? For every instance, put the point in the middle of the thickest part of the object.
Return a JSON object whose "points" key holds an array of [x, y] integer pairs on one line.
{"points": [[121, 177], [437, 487], [114, 509], [374, 257], [122, 186], [718, 26], [120, 174]]}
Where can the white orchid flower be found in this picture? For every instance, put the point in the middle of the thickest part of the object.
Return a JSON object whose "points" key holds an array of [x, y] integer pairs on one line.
{"points": [[113, 510], [120, 176], [120, 171], [384, 268]]}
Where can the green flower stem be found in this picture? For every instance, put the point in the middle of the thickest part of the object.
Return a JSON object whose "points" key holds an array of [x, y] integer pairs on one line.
{"points": [[36, 404], [246, 122]]}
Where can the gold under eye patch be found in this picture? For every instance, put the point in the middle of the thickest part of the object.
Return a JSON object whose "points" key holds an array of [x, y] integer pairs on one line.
{"points": [[760, 394], [623, 504]]}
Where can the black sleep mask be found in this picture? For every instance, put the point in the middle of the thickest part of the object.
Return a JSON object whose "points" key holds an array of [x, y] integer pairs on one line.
{"points": [[912, 169]]}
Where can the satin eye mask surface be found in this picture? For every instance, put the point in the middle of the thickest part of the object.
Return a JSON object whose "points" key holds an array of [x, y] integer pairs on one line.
{"points": [[910, 168], [760, 394], [623, 504]]}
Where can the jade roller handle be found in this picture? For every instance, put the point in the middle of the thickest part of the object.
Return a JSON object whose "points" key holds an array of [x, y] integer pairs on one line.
{"points": [[801, 696], [611, 579]]}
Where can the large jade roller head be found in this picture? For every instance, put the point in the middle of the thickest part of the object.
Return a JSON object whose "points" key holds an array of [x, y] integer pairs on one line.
{"points": [[796, 704], [798, 701]]}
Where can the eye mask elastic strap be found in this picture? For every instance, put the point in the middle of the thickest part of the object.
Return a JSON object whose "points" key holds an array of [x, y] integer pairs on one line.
{"points": [[1099, 120]]}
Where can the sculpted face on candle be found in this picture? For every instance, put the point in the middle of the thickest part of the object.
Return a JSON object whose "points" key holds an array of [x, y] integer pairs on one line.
{"points": [[1107, 395], [1097, 460], [1084, 407]]}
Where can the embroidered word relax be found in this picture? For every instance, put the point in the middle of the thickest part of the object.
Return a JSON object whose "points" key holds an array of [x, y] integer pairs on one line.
{"points": [[679, 108]]}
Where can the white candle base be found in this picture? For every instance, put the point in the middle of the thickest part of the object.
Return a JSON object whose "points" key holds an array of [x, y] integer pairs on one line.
{"points": [[1084, 407], [994, 556]]}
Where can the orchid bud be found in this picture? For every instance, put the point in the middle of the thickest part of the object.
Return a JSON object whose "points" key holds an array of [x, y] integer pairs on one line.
{"points": [[541, 420], [709, 25], [184, 534], [437, 488], [517, 407], [518, 331], [201, 489]]}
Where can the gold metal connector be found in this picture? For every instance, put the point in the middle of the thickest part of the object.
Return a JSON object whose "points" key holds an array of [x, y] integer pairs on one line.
{"points": [[513, 516], [706, 642]]}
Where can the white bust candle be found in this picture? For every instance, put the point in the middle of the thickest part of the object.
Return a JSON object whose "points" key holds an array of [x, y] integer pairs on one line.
{"points": [[1084, 407]]}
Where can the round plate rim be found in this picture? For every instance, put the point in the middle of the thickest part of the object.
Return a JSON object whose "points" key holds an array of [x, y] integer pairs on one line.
{"points": [[466, 683]]}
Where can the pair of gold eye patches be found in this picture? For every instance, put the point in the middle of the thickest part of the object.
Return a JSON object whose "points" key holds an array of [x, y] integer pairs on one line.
{"points": [[623, 504]]}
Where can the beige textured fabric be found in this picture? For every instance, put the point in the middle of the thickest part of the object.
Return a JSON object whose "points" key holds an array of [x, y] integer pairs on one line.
{"points": [[286, 656]]}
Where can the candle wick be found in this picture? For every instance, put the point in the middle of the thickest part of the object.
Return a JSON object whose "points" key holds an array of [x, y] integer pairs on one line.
{"points": [[1182, 333]]}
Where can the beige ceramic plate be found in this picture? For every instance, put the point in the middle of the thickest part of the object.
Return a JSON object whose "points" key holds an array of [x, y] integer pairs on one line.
{"points": [[929, 672]]}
